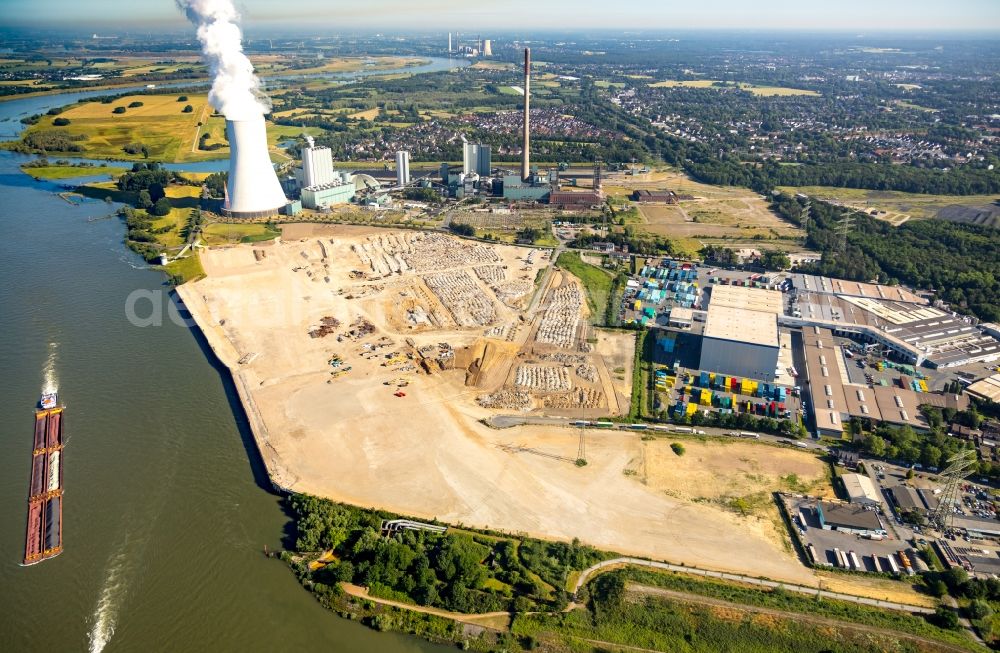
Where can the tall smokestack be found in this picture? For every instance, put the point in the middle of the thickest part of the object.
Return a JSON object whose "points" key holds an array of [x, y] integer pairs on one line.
{"points": [[526, 157]]}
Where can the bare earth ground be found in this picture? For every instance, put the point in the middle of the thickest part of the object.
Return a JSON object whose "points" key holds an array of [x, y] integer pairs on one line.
{"points": [[347, 436]]}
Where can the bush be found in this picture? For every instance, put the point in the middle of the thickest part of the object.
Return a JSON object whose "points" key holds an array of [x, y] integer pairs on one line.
{"points": [[134, 105], [979, 609], [677, 448], [161, 207], [182, 98], [118, 110], [60, 122], [187, 109], [944, 617]]}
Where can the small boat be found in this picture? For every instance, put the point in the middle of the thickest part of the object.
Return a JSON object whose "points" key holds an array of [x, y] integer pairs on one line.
{"points": [[48, 400]]}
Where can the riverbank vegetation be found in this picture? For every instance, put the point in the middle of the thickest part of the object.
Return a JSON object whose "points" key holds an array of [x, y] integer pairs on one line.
{"points": [[673, 612], [476, 572], [56, 170], [461, 570]]}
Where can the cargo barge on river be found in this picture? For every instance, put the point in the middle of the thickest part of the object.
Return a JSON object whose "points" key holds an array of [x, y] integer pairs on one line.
{"points": [[45, 493]]}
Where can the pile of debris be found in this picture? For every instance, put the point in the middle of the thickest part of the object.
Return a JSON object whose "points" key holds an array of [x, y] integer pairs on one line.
{"points": [[327, 325], [543, 377]]}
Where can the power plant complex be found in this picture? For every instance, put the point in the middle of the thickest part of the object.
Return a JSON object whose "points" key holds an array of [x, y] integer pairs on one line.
{"points": [[254, 190]]}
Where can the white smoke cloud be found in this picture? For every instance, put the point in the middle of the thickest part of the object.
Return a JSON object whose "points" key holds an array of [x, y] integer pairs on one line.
{"points": [[236, 91]]}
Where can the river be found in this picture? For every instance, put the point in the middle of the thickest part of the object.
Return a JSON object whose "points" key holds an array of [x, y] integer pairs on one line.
{"points": [[167, 509]]}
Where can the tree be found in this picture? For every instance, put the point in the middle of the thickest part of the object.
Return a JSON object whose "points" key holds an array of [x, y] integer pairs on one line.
{"points": [[530, 234], [145, 201], [187, 109], [462, 229], [60, 122], [161, 207], [118, 110], [937, 588], [134, 105], [776, 260], [182, 98], [677, 448], [945, 617]]}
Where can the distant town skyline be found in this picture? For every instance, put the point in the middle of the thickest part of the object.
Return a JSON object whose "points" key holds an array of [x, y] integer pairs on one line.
{"points": [[522, 15]]}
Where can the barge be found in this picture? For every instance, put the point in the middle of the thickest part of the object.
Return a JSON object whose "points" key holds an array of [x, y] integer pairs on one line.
{"points": [[45, 491]]}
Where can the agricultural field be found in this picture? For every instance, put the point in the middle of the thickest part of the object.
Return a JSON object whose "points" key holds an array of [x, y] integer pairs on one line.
{"points": [[160, 124], [763, 91], [727, 215], [896, 207]]}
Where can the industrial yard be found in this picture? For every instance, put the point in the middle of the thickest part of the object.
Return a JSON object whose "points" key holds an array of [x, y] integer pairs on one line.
{"points": [[365, 364]]}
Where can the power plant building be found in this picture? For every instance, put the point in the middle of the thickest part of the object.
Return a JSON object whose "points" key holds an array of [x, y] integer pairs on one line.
{"points": [[317, 165], [477, 158], [338, 191], [402, 168]]}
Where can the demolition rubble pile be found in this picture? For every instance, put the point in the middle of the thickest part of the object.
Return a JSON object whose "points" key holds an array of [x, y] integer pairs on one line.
{"points": [[543, 377], [463, 298], [560, 320]]}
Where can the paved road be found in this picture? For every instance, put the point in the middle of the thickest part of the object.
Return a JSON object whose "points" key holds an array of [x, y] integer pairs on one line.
{"points": [[761, 582]]}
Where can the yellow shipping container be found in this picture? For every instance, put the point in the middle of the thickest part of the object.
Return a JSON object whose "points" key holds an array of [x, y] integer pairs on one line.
{"points": [[706, 398], [692, 408]]}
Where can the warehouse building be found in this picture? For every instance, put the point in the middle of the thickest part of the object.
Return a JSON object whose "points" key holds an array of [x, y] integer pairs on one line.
{"points": [[848, 518], [861, 490], [741, 333]]}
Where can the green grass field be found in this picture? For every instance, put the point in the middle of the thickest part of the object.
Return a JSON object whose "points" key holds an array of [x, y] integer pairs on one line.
{"points": [[224, 233], [160, 124], [596, 281], [70, 172]]}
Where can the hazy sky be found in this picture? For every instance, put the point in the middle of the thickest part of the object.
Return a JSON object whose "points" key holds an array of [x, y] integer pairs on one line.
{"points": [[532, 15]]}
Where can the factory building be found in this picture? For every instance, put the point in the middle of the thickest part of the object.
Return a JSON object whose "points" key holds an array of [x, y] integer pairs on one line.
{"points": [[317, 165], [835, 402], [893, 317], [741, 333], [338, 191], [477, 158], [402, 168]]}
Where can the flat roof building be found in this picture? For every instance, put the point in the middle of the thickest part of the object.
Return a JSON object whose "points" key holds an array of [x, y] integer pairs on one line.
{"points": [[906, 498], [751, 299], [740, 342], [849, 518]]}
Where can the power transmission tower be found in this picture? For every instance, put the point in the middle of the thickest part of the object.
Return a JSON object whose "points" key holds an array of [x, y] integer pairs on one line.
{"points": [[804, 215], [844, 228], [959, 468], [581, 451]]}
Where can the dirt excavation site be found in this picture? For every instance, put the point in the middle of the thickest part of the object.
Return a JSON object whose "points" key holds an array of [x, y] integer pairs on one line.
{"points": [[368, 359]]}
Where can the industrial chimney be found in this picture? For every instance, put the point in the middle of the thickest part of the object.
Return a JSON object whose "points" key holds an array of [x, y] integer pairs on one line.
{"points": [[253, 189], [525, 160]]}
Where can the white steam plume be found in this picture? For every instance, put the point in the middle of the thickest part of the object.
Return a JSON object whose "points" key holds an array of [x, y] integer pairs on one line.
{"points": [[236, 91]]}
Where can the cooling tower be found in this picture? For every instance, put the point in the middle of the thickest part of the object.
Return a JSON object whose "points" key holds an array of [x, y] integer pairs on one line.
{"points": [[253, 190]]}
